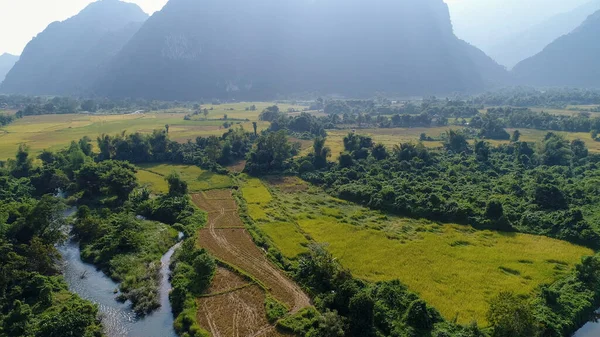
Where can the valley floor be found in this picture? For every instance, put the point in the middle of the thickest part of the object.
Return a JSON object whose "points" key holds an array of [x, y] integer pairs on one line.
{"points": [[456, 269]]}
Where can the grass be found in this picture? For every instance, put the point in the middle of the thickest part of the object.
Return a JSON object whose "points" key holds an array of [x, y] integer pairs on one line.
{"points": [[287, 237], [458, 280], [255, 192], [55, 132], [153, 177], [456, 269], [262, 208]]}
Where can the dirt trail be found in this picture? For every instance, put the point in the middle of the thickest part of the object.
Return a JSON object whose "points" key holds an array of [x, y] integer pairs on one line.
{"points": [[226, 238]]}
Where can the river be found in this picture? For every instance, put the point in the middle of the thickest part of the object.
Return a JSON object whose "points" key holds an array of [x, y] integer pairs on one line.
{"points": [[591, 329], [118, 318]]}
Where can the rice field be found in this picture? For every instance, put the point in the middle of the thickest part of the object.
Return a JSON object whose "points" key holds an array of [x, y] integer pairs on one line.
{"points": [[54, 132], [394, 136], [153, 177], [456, 269]]}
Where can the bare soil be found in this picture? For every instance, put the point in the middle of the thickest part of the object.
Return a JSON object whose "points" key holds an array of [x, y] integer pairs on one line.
{"points": [[240, 312]]}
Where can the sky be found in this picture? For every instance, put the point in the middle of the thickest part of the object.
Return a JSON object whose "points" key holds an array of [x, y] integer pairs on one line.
{"points": [[21, 20], [483, 22], [479, 22]]}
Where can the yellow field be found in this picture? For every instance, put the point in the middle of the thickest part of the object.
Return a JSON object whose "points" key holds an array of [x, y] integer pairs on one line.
{"points": [[55, 132], [456, 269], [287, 237], [395, 136], [239, 110], [153, 177]]}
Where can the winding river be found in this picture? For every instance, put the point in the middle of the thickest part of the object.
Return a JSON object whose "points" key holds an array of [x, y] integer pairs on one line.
{"points": [[118, 318], [591, 329]]}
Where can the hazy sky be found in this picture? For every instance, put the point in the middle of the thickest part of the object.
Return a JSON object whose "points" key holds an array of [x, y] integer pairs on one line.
{"points": [[21, 20], [477, 21], [481, 22]]}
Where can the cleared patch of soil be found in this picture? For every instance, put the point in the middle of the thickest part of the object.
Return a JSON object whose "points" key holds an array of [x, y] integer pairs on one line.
{"points": [[225, 280], [288, 184], [236, 314], [237, 166], [235, 246]]}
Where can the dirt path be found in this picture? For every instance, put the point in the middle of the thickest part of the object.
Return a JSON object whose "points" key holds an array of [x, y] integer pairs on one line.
{"points": [[226, 238]]}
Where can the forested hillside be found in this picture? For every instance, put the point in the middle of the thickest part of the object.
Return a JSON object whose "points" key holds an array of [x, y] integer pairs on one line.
{"points": [[67, 56], [272, 48]]}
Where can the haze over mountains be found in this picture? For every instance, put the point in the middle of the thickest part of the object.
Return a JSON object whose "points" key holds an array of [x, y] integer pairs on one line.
{"points": [[67, 56], [261, 49], [272, 48], [571, 60], [7, 61], [524, 44]]}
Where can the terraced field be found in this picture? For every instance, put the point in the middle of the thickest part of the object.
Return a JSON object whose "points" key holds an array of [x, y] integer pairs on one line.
{"points": [[226, 238]]}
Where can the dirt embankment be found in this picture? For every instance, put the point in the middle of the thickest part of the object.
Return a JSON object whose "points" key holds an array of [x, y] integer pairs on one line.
{"points": [[239, 312]]}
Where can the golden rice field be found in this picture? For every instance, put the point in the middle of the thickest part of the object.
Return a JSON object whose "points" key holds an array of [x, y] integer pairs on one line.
{"points": [[456, 269], [153, 177], [55, 132], [394, 136]]}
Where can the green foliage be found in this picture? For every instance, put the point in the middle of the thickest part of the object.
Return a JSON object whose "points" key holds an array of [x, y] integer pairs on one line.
{"points": [[275, 309], [512, 316], [177, 186], [270, 155], [534, 191]]}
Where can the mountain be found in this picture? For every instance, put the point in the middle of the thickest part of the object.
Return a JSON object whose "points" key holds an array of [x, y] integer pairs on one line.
{"points": [[571, 60], [7, 61], [263, 49], [529, 42], [67, 57]]}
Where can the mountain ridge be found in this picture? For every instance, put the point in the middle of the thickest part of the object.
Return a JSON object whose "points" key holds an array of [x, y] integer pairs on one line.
{"points": [[296, 47], [530, 42], [570, 60], [60, 60]]}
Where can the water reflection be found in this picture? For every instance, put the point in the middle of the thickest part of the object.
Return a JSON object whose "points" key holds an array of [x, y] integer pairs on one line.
{"points": [[118, 318]]}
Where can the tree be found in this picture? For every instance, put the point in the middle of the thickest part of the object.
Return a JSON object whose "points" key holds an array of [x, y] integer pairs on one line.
{"points": [[555, 150], [205, 113], [85, 145], [204, 270], [177, 186], [255, 127], [270, 114], [22, 165], [361, 314], [456, 142], [515, 136], [321, 153], [379, 152], [270, 154], [167, 128], [482, 151], [511, 316]]}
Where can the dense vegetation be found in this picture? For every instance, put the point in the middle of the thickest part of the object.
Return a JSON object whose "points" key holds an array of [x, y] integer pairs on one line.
{"points": [[34, 299], [546, 191], [530, 97]]}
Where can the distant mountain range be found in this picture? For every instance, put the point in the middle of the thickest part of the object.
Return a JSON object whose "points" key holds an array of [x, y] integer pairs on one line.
{"points": [[572, 60], [527, 43], [67, 57], [7, 61], [254, 50]]}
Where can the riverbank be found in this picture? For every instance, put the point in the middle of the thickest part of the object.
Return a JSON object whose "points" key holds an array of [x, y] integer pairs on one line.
{"points": [[118, 318]]}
